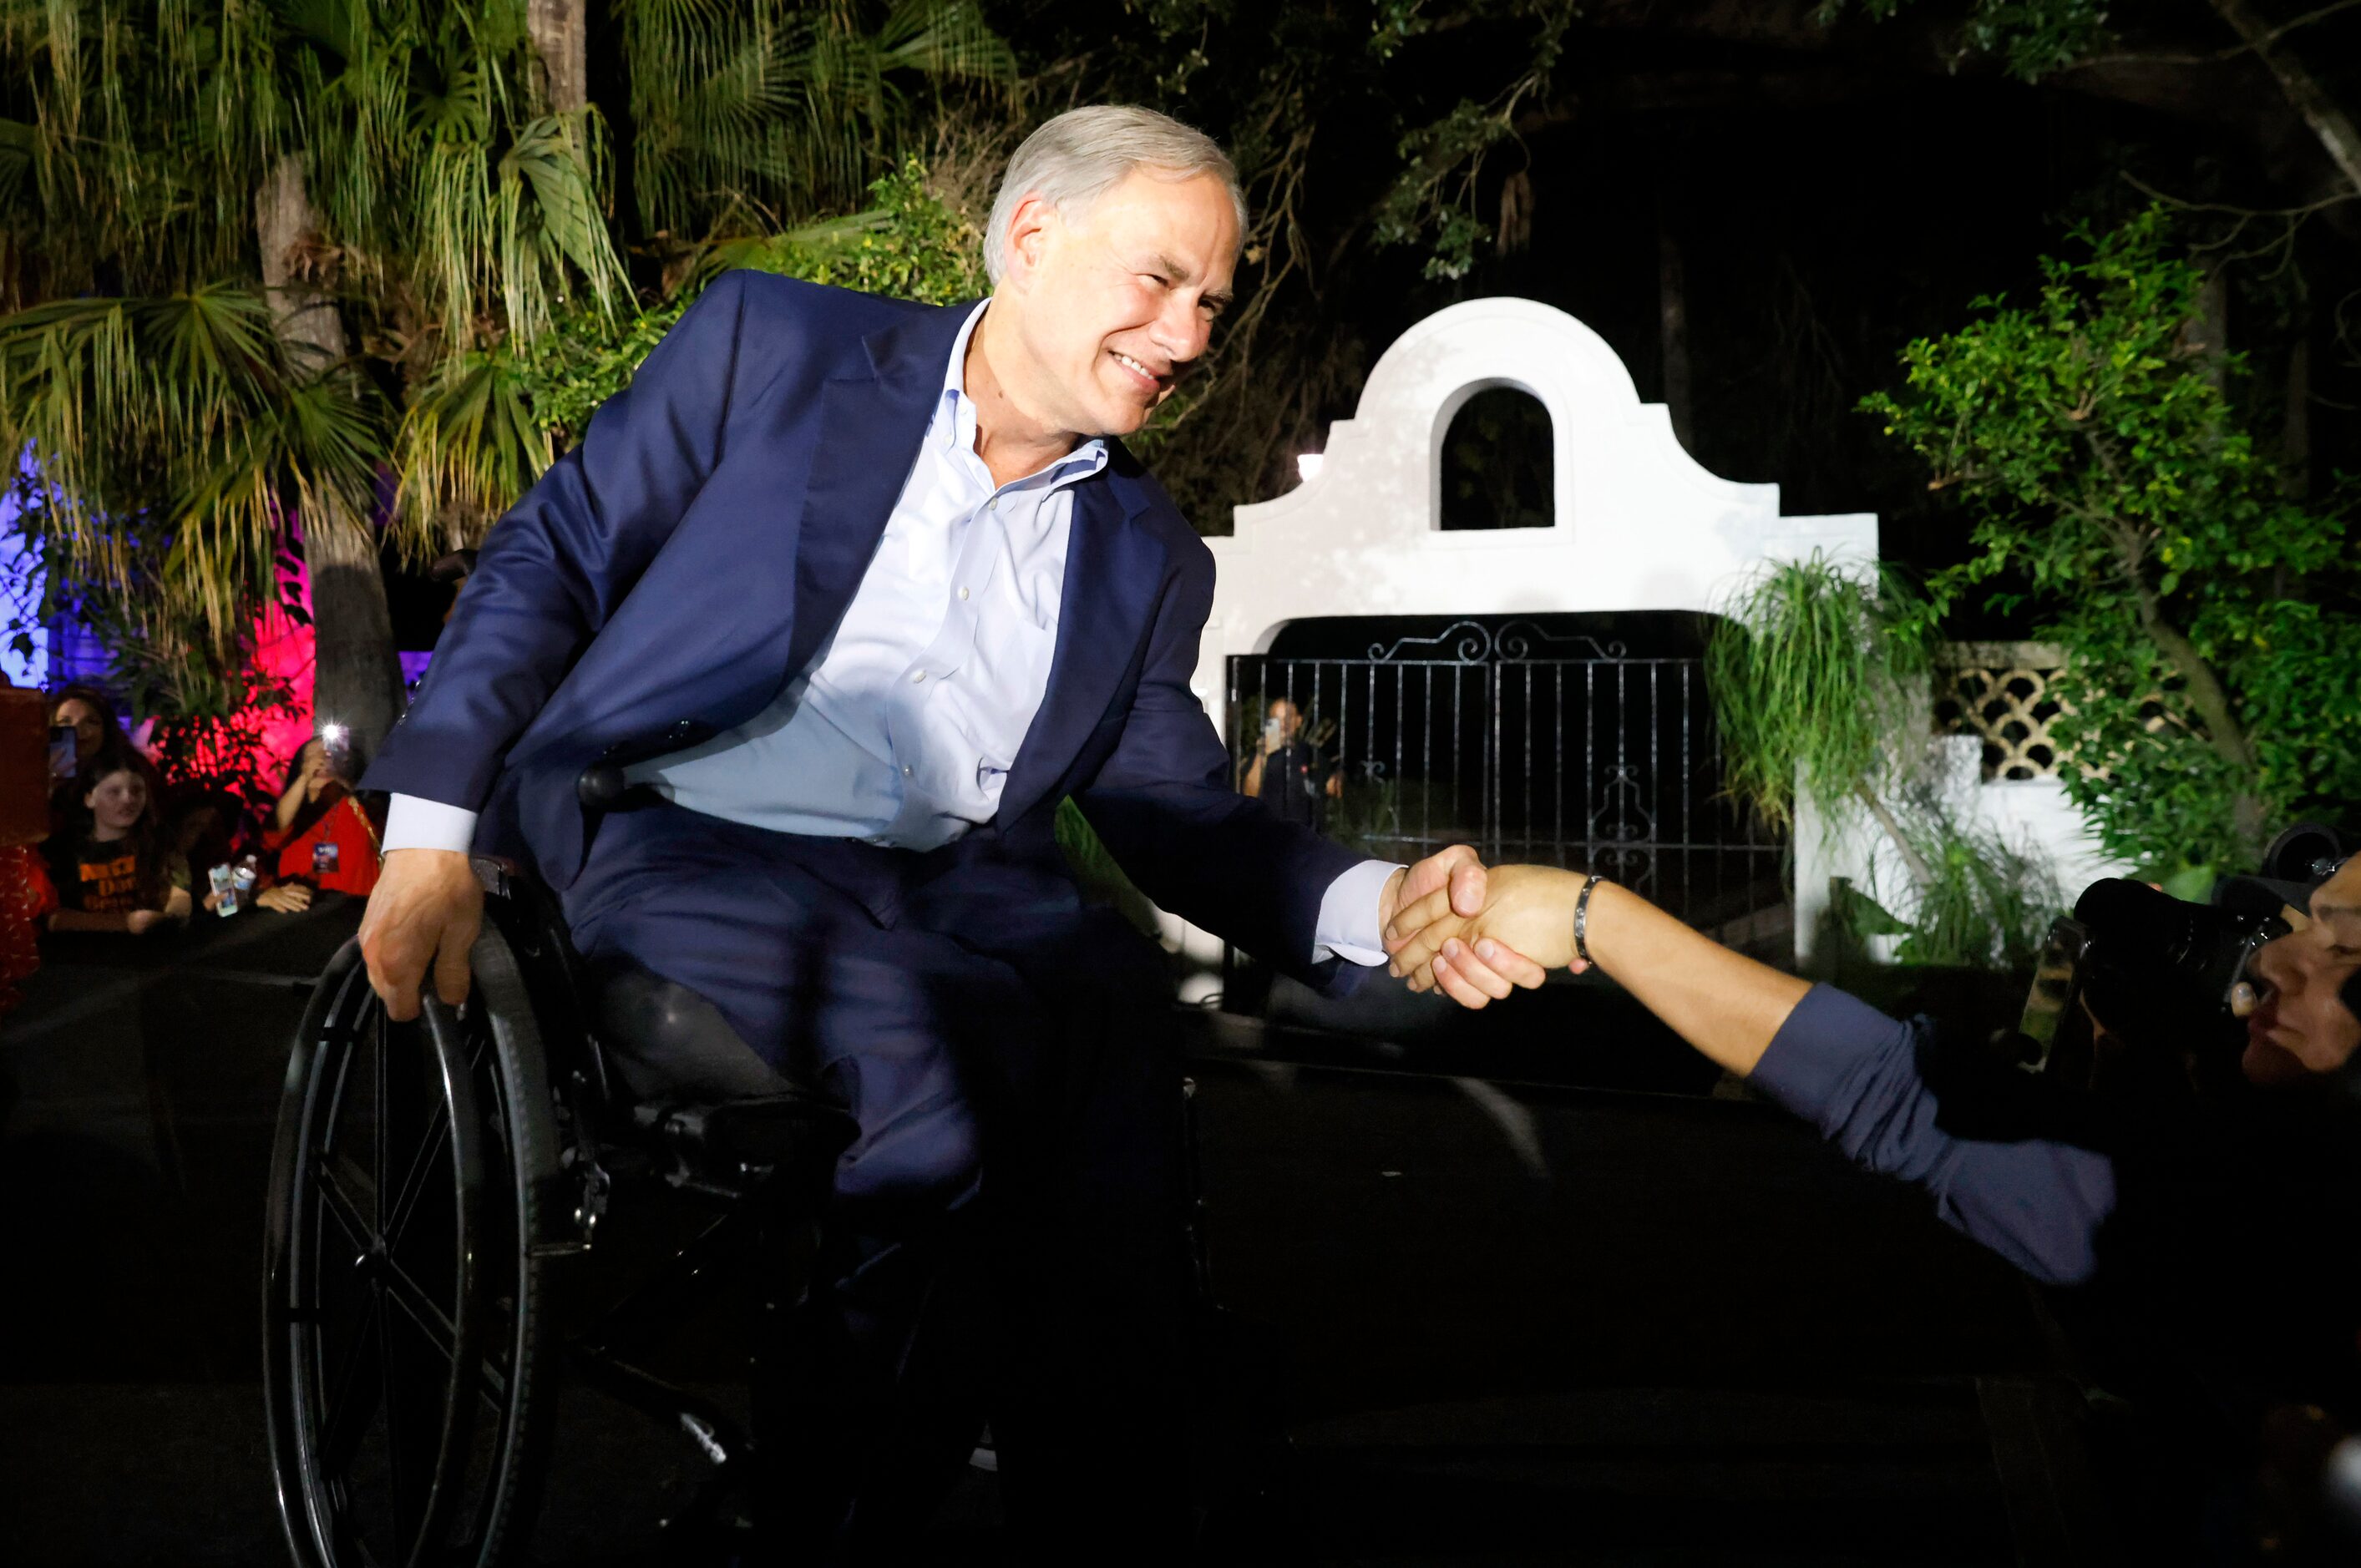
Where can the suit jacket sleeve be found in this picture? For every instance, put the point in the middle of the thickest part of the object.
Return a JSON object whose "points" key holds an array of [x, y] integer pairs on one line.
{"points": [[1165, 809], [552, 570]]}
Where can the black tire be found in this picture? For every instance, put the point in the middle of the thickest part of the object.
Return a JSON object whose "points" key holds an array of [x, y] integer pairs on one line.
{"points": [[417, 1205]]}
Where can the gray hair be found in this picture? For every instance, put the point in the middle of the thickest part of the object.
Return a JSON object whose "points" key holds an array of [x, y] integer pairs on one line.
{"points": [[1076, 158]]}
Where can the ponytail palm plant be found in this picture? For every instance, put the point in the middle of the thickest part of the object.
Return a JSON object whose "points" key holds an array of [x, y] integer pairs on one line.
{"points": [[268, 270], [1818, 671]]}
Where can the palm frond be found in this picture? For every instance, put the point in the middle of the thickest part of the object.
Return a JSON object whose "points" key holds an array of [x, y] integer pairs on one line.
{"points": [[176, 422], [552, 158], [786, 110], [468, 448]]}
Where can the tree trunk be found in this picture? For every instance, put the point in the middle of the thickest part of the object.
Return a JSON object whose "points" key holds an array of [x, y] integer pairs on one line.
{"points": [[1920, 872], [2304, 94], [2206, 334], [2295, 433], [355, 677], [2211, 701], [1672, 323], [561, 35]]}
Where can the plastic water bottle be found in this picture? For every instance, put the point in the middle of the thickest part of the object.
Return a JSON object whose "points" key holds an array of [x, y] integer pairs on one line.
{"points": [[242, 883]]}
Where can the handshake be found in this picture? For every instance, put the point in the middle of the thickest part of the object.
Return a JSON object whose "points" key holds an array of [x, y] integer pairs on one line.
{"points": [[1477, 932]]}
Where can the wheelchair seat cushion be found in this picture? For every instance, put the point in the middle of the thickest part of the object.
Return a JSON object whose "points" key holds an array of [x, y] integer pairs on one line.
{"points": [[667, 1044]]}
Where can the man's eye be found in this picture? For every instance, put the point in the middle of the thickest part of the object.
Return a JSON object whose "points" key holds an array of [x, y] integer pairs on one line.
{"points": [[1160, 282]]}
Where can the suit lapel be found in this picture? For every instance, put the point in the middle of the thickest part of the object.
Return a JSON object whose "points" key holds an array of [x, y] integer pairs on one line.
{"points": [[1113, 568], [871, 425]]}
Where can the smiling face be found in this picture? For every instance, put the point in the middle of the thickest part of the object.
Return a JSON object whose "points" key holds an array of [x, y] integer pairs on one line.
{"points": [[1116, 303], [2302, 1027], [116, 802]]}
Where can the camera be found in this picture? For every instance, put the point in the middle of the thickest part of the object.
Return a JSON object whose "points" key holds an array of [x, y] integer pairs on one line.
{"points": [[2158, 969]]}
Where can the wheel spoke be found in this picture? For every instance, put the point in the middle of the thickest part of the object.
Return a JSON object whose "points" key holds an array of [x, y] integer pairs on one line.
{"points": [[413, 1183], [339, 1204], [384, 1115], [397, 1460], [412, 1187], [432, 1321], [346, 1410], [395, 1338], [493, 1384]]}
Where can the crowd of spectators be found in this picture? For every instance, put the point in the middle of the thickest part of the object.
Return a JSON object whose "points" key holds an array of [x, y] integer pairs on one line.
{"points": [[127, 852]]}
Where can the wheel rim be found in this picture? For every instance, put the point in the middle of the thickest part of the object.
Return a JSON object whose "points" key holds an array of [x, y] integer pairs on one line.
{"points": [[376, 1293]]}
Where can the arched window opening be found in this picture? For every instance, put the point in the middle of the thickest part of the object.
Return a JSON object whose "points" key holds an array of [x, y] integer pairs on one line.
{"points": [[1499, 463]]}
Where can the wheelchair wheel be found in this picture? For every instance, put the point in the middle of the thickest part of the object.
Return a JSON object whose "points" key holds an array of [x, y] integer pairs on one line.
{"points": [[416, 1204]]}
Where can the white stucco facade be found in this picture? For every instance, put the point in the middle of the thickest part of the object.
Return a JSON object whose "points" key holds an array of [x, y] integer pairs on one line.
{"points": [[1639, 524]]}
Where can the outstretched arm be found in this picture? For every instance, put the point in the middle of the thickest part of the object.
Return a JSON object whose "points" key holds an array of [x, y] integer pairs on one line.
{"points": [[1839, 1064], [1724, 1003]]}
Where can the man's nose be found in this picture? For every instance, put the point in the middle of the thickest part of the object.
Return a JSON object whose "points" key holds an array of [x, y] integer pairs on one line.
{"points": [[1182, 331]]}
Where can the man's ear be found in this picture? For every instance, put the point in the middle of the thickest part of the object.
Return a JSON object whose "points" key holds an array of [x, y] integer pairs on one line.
{"points": [[1033, 227]]}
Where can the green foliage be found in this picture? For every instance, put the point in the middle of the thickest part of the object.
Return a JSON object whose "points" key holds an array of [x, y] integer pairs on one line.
{"points": [[1388, 122], [1811, 669], [2207, 616], [178, 423], [212, 713], [457, 215], [910, 244], [1988, 902], [2034, 36], [168, 434], [1433, 195], [1816, 674], [751, 116]]}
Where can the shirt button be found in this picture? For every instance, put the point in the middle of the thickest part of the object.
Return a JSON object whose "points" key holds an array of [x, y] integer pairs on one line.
{"points": [[962, 592], [992, 505], [917, 677], [906, 769]]}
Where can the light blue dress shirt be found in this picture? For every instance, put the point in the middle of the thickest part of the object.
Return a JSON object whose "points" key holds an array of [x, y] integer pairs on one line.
{"points": [[905, 727], [904, 730]]}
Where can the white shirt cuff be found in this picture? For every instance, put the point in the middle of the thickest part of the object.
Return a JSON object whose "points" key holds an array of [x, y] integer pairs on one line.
{"points": [[414, 824], [1348, 927]]}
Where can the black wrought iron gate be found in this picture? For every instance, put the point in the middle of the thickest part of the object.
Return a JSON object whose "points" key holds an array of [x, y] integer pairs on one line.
{"points": [[1531, 746]]}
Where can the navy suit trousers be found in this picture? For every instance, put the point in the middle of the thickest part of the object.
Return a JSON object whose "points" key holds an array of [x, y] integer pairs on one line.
{"points": [[1008, 1233]]}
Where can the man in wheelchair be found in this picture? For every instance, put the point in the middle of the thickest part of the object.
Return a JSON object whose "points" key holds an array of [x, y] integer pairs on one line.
{"points": [[777, 682]]}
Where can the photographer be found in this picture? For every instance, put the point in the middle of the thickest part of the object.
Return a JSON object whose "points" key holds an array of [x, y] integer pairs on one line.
{"points": [[2202, 1196], [1289, 770], [321, 837]]}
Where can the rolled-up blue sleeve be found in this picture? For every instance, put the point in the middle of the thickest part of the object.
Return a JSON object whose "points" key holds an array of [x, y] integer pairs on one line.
{"points": [[1854, 1073]]}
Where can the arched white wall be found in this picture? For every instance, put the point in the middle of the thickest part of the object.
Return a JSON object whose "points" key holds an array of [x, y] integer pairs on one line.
{"points": [[1639, 525]]}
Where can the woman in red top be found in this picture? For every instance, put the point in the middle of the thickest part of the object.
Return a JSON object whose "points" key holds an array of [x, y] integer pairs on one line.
{"points": [[322, 837]]}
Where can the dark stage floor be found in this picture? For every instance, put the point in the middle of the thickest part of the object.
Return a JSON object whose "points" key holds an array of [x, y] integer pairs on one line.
{"points": [[1499, 1319]]}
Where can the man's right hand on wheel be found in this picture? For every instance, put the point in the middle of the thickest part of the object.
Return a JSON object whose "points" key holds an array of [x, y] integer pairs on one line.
{"points": [[425, 909]]}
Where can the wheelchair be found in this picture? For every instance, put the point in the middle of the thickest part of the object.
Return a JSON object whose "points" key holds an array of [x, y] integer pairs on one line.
{"points": [[429, 1183]]}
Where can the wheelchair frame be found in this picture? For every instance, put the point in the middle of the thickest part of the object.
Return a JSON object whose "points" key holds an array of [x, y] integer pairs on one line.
{"points": [[509, 1096]]}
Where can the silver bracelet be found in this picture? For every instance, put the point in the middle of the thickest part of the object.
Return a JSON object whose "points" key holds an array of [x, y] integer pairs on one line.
{"points": [[1582, 916]]}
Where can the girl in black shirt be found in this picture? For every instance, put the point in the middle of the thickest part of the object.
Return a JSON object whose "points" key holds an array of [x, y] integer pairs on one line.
{"points": [[117, 874]]}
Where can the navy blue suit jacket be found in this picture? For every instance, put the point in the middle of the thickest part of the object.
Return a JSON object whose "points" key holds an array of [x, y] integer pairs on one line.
{"points": [[666, 578]]}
